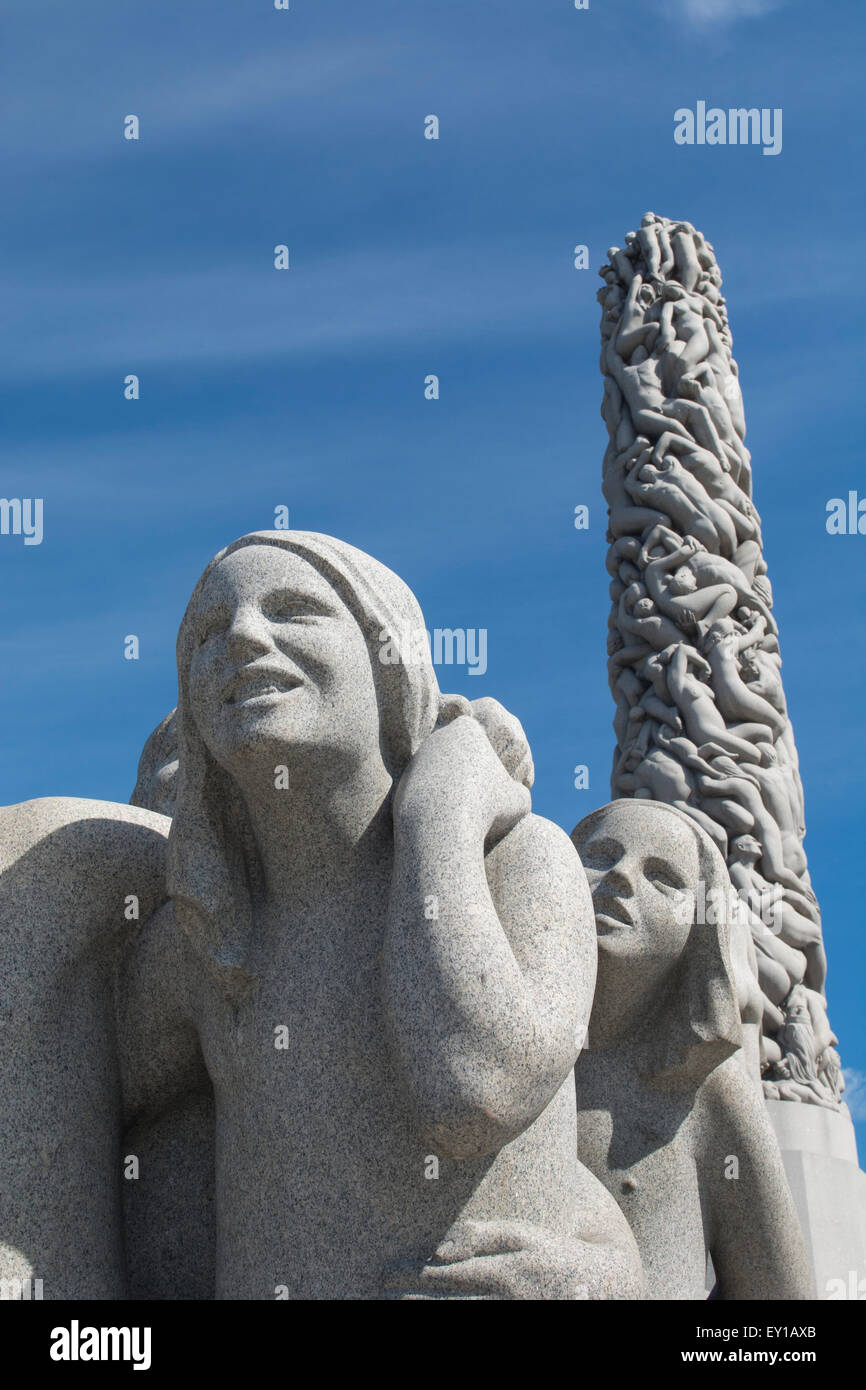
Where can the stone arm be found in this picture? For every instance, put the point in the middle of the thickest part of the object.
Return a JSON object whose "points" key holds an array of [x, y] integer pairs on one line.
{"points": [[667, 329], [662, 563], [712, 471], [625, 518], [753, 1233], [634, 331], [685, 751], [715, 783], [746, 526], [624, 549], [627, 656], [755, 633], [664, 713], [158, 1045], [488, 975], [678, 662], [169, 1122]]}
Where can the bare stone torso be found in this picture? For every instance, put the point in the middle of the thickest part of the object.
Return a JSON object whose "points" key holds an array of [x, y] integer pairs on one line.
{"points": [[656, 1185], [321, 1171]]}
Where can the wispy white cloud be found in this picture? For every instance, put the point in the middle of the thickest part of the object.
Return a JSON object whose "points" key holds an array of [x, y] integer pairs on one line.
{"points": [[855, 1092], [181, 97], [235, 312], [705, 12], [371, 298]]}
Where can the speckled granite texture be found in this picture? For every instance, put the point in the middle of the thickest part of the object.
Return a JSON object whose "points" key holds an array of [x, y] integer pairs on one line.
{"points": [[342, 1065], [669, 1117]]}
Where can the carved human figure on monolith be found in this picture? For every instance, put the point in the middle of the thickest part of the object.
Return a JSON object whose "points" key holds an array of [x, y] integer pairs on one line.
{"points": [[690, 585]]}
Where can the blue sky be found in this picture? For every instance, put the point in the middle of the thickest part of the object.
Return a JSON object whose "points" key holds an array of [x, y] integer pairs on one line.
{"points": [[410, 256]]}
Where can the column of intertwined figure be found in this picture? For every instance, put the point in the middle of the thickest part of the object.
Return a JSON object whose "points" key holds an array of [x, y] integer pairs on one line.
{"points": [[701, 719]]}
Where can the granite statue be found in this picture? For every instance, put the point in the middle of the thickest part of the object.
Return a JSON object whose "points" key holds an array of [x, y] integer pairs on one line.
{"points": [[669, 1118], [694, 665], [346, 1037]]}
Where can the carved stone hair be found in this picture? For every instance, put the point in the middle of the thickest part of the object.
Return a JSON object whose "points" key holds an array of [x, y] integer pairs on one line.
{"points": [[695, 1023], [214, 873], [213, 870], [159, 749]]}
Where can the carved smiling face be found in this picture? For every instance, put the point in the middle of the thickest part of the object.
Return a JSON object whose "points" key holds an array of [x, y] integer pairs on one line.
{"points": [[278, 664]]}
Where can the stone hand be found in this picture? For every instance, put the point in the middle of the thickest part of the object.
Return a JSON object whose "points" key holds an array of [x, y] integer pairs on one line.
{"points": [[457, 777], [508, 1260]]}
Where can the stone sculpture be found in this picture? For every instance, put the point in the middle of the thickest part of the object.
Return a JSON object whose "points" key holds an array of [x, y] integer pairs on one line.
{"points": [[74, 877], [694, 663], [159, 768], [347, 1040], [156, 784], [668, 1118]]}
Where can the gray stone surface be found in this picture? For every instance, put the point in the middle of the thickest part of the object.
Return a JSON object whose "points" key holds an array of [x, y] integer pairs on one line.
{"points": [[336, 1035], [68, 869], [819, 1150], [669, 1118], [373, 978], [694, 666], [156, 784]]}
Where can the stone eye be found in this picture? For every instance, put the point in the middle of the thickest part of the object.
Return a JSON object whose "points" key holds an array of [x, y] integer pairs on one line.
{"points": [[213, 625], [662, 876]]}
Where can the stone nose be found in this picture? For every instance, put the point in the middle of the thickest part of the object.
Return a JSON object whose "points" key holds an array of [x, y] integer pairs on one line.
{"points": [[248, 634], [617, 881]]}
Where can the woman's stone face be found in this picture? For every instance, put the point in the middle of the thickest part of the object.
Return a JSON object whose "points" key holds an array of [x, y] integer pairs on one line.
{"points": [[643, 869], [279, 668]]}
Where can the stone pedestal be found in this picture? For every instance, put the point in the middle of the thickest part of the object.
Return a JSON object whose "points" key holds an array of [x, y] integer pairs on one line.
{"points": [[820, 1155]]}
